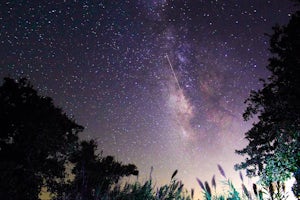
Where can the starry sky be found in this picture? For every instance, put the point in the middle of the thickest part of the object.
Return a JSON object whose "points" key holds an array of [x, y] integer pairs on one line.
{"points": [[155, 82]]}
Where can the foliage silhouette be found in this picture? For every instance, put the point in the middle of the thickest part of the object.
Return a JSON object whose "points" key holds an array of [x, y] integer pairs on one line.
{"points": [[274, 141], [94, 174], [36, 140]]}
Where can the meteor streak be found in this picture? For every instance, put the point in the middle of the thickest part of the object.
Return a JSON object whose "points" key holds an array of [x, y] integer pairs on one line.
{"points": [[180, 105], [174, 74]]}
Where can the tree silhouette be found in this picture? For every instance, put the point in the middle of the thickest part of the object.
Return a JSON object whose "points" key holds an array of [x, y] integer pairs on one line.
{"points": [[36, 139], [95, 174], [275, 137]]}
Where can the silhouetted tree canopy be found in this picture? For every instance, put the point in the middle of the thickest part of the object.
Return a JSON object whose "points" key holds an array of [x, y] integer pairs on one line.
{"points": [[95, 174], [36, 139], [275, 137]]}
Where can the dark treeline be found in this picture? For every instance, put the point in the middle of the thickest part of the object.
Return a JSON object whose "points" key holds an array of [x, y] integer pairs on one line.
{"points": [[38, 142]]}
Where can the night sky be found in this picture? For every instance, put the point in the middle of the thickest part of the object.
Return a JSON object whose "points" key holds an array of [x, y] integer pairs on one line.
{"points": [[155, 82]]}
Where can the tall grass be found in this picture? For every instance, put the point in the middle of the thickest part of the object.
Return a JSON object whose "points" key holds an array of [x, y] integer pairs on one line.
{"points": [[174, 190], [273, 191]]}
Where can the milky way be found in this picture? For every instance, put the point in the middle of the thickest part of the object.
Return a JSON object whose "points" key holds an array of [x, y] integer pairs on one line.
{"points": [[157, 83]]}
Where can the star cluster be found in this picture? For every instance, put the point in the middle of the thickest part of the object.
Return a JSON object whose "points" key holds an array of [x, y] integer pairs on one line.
{"points": [[157, 83]]}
